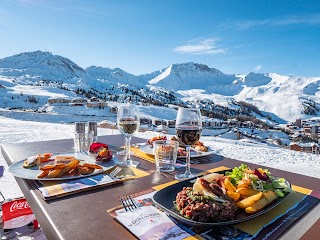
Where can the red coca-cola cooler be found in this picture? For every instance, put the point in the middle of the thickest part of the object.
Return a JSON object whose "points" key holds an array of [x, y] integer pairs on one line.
{"points": [[17, 213]]}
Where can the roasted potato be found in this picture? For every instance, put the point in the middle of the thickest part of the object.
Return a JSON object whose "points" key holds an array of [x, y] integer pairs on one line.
{"points": [[243, 185], [71, 165], [68, 166], [47, 167], [54, 173], [90, 165], [72, 168], [234, 195], [228, 185], [85, 170], [74, 172], [43, 173], [247, 202], [257, 206], [270, 196], [247, 191], [60, 166]]}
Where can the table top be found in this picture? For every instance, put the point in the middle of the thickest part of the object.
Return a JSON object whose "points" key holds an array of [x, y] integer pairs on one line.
{"points": [[84, 215]]}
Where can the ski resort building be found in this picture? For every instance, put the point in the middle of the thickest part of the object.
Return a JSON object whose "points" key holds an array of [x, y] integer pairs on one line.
{"points": [[305, 147]]}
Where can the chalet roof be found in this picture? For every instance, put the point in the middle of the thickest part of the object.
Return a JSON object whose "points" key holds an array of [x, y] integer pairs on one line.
{"points": [[305, 144], [212, 120], [78, 98], [66, 97], [232, 120]]}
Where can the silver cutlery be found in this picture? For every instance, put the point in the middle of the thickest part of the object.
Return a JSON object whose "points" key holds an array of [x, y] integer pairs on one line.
{"points": [[128, 203], [115, 171]]}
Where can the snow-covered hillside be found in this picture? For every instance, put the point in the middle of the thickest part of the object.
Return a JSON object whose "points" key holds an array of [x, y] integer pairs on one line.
{"points": [[285, 96], [41, 75], [38, 65]]}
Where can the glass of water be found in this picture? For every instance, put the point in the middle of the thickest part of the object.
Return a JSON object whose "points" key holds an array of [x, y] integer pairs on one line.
{"points": [[165, 154]]}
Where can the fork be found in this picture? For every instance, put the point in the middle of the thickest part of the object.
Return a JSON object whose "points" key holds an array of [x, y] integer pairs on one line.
{"points": [[128, 203], [115, 171]]}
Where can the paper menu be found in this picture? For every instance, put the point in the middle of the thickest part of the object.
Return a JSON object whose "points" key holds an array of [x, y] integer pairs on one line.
{"points": [[150, 223]]}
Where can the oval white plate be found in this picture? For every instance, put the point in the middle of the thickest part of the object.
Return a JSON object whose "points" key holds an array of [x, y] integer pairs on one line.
{"points": [[18, 170]]}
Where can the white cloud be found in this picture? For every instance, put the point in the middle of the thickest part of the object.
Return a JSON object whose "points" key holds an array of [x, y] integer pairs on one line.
{"points": [[201, 46], [257, 68], [313, 19]]}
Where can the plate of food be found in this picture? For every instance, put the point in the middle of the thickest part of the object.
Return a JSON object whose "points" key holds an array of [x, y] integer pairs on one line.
{"points": [[227, 197], [197, 150], [58, 167]]}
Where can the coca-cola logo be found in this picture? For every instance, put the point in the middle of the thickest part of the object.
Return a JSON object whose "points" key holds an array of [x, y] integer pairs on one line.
{"points": [[19, 206]]}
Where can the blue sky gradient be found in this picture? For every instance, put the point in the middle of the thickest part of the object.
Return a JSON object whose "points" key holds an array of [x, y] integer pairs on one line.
{"points": [[144, 36]]}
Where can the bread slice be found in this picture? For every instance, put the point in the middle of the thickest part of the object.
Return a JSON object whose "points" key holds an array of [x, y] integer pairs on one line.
{"points": [[64, 159]]}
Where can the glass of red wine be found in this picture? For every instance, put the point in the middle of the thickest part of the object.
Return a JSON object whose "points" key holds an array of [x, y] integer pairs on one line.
{"points": [[188, 132], [128, 122]]}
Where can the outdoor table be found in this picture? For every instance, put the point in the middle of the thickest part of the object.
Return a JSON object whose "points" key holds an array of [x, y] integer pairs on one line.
{"points": [[83, 215]]}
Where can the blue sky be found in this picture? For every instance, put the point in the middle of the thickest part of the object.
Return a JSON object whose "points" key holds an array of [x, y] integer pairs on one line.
{"points": [[144, 36]]}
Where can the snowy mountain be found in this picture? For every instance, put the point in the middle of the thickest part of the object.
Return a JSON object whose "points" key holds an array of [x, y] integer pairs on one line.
{"points": [[45, 75], [196, 76], [286, 96], [42, 64], [116, 75]]}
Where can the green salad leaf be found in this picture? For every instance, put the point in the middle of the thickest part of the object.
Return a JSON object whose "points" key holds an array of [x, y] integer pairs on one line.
{"points": [[237, 174], [279, 184]]}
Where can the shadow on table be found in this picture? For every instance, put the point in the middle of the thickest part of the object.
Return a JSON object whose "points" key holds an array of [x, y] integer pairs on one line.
{"points": [[216, 158]]}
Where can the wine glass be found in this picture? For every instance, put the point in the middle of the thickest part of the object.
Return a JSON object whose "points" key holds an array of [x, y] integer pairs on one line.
{"points": [[188, 131], [128, 121], [124, 151]]}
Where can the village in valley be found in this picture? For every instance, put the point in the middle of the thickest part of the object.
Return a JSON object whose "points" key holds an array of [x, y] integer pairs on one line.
{"points": [[301, 135]]}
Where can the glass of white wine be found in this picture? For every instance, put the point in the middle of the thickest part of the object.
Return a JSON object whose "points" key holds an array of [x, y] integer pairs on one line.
{"points": [[124, 151], [128, 121]]}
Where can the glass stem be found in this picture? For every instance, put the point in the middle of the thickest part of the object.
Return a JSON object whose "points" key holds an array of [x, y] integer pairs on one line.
{"points": [[128, 140], [188, 147], [125, 145]]}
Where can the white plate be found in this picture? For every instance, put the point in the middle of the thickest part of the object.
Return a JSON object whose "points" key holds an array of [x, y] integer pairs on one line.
{"points": [[18, 170], [148, 149]]}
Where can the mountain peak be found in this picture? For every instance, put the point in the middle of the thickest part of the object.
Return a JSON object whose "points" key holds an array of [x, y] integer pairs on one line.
{"points": [[37, 53], [113, 75], [39, 58], [41, 65], [252, 79], [192, 67], [183, 76]]}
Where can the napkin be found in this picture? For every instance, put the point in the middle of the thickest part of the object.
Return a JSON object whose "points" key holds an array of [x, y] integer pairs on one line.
{"points": [[52, 189], [76, 185], [150, 223]]}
